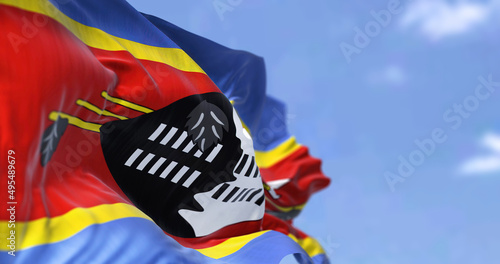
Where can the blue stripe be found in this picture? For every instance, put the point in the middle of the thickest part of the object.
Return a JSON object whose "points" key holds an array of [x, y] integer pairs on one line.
{"points": [[271, 247], [128, 240], [271, 129], [241, 76], [320, 259], [115, 17]]}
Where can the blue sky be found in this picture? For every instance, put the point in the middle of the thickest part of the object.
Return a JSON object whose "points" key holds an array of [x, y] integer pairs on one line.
{"points": [[360, 116]]}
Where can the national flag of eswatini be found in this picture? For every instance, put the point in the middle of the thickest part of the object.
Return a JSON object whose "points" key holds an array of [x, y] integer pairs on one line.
{"points": [[137, 142]]}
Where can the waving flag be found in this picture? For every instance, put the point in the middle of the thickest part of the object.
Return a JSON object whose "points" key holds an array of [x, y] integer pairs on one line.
{"points": [[133, 141]]}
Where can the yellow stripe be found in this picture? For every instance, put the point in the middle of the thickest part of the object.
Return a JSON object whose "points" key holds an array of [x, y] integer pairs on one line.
{"points": [[310, 245], [266, 159], [245, 127], [128, 104], [97, 110], [97, 38], [50, 230], [229, 246], [75, 121]]}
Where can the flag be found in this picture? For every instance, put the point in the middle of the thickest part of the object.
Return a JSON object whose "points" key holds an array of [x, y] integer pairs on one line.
{"points": [[131, 140]]}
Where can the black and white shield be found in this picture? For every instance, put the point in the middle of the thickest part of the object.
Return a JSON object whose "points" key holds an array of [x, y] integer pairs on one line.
{"points": [[186, 157]]}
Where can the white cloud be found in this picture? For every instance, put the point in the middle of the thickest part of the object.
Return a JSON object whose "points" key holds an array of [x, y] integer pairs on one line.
{"points": [[492, 141], [485, 163], [439, 18]]}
